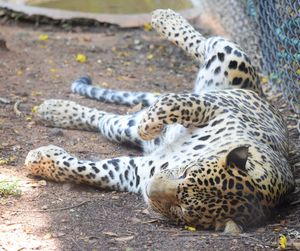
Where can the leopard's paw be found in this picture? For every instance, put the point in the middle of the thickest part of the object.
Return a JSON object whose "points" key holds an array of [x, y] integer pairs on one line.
{"points": [[57, 113], [148, 130], [167, 22], [44, 160]]}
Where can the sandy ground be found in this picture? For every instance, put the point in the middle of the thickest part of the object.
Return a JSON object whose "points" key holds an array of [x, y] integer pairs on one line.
{"points": [[52, 216]]}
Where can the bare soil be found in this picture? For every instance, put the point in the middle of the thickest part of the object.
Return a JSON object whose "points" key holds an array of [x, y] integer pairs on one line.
{"points": [[55, 216]]}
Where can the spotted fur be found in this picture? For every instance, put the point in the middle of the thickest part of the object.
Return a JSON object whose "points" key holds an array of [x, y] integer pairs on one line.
{"points": [[215, 158]]}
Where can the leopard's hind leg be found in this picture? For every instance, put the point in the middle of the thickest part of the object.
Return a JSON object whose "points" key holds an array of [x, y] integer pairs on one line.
{"points": [[84, 87], [116, 128], [223, 64]]}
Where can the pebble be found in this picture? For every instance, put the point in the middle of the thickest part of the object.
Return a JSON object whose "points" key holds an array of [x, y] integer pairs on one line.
{"points": [[56, 132]]}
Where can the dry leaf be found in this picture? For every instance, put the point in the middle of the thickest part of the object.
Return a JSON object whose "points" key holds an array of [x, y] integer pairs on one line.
{"points": [[34, 109], [147, 27], [282, 242], [43, 37], [150, 56], [81, 58], [193, 229]]}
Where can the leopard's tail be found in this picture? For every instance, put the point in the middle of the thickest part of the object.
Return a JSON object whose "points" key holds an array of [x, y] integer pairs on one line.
{"points": [[84, 87]]}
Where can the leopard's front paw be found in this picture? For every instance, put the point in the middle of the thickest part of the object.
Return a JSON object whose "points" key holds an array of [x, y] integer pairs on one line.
{"points": [[148, 130], [43, 161]]}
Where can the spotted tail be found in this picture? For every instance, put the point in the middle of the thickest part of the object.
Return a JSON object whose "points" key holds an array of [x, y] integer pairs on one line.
{"points": [[83, 86]]}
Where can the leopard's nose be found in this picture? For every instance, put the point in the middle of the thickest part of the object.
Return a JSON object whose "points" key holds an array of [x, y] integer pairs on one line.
{"points": [[164, 189]]}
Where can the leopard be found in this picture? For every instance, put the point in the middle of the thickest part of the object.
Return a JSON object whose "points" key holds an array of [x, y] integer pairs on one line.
{"points": [[214, 158]]}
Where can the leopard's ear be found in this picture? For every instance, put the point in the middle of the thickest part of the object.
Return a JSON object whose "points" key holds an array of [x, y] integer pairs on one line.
{"points": [[238, 157]]}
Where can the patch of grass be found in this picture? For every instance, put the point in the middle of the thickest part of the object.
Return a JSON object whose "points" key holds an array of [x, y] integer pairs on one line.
{"points": [[9, 188]]}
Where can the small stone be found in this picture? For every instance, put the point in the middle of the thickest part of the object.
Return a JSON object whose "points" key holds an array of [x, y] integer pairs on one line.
{"points": [[42, 183], [16, 148], [146, 211], [56, 132], [135, 220], [48, 236], [59, 234], [3, 45], [45, 207]]}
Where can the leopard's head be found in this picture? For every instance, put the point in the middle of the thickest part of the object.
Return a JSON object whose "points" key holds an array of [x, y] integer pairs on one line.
{"points": [[209, 192]]}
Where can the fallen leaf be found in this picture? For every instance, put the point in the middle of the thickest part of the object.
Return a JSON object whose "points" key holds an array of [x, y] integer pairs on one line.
{"points": [[123, 54], [264, 80], [34, 109], [43, 37], [282, 242], [16, 131], [147, 27], [81, 58], [3, 161], [36, 93], [28, 118], [12, 158], [193, 229], [150, 56], [19, 73]]}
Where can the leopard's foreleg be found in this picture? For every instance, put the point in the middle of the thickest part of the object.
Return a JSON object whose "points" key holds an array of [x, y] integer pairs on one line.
{"points": [[185, 109], [54, 163]]}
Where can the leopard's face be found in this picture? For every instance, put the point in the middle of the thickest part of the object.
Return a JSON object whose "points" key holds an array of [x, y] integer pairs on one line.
{"points": [[209, 192]]}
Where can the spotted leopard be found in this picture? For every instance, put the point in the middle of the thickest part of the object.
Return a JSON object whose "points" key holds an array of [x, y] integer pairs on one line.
{"points": [[214, 158]]}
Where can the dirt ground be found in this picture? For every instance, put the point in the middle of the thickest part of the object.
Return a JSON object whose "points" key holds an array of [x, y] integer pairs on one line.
{"points": [[54, 216]]}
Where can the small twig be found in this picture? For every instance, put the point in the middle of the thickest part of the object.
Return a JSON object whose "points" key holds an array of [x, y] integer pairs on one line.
{"points": [[51, 210], [16, 108], [105, 213], [77, 245], [293, 203]]}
